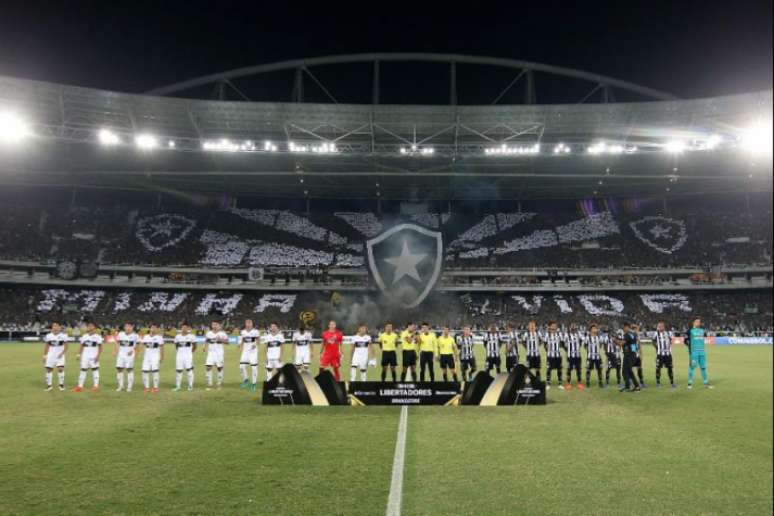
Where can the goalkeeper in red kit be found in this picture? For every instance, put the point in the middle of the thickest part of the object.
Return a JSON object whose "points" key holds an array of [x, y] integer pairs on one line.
{"points": [[331, 349]]}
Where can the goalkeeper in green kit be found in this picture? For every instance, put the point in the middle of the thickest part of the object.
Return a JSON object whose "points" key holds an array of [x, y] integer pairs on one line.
{"points": [[698, 357]]}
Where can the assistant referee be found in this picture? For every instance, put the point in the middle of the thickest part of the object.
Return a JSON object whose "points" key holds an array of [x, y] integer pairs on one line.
{"points": [[388, 339], [428, 346], [447, 348]]}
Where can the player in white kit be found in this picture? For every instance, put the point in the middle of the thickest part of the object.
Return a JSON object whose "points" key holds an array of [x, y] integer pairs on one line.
{"points": [[273, 340], [153, 342], [54, 355], [90, 351], [302, 338], [214, 340], [125, 352], [185, 343], [361, 354], [248, 343]]}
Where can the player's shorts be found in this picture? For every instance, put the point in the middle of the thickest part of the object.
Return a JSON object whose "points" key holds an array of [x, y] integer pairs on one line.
{"points": [[52, 357], [663, 361], [330, 359], [698, 360], [274, 363], [637, 361], [555, 362], [150, 360], [303, 356], [360, 359], [533, 362], [274, 353], [511, 362], [124, 360], [184, 359], [613, 361], [594, 363], [249, 356], [447, 361], [389, 358], [467, 363], [409, 358], [573, 362], [492, 362], [89, 358], [214, 356]]}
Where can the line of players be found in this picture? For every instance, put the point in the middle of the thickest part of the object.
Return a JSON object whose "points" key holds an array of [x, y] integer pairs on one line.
{"points": [[423, 344], [128, 345], [559, 347]]}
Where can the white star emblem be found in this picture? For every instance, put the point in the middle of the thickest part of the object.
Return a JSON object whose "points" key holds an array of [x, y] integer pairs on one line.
{"points": [[406, 263], [660, 231]]}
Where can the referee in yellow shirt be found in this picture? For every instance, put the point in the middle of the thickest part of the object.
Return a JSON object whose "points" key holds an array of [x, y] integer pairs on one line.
{"points": [[409, 346], [388, 339], [447, 349], [428, 347]]}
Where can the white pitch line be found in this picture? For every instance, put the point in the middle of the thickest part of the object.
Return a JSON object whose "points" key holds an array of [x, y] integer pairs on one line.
{"points": [[395, 500]]}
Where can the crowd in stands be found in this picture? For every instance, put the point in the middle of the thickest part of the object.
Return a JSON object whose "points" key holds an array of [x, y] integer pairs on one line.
{"points": [[702, 235], [32, 309]]}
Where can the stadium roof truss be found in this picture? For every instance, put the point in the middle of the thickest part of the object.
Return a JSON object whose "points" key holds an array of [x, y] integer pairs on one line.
{"points": [[364, 150]]}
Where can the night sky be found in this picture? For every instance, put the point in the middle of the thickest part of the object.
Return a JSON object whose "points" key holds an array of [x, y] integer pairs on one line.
{"points": [[689, 48]]}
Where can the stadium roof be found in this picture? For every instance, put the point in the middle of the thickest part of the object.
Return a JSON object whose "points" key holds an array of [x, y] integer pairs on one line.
{"points": [[101, 138]]}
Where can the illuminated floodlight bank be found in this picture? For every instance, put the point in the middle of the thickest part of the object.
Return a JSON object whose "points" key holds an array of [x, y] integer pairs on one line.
{"points": [[268, 146], [416, 150], [757, 139], [146, 141], [607, 148], [561, 148], [108, 137], [512, 150], [675, 146], [323, 148], [226, 145], [13, 128]]}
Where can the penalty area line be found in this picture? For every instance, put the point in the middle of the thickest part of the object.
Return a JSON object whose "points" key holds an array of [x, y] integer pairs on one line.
{"points": [[395, 500]]}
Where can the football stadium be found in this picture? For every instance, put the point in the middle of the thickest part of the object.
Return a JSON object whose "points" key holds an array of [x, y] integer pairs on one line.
{"points": [[223, 297]]}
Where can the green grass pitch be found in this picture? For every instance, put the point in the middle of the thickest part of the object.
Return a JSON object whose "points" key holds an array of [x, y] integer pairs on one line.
{"points": [[220, 452]]}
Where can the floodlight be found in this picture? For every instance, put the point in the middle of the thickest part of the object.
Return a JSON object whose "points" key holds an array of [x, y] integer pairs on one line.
{"points": [[108, 137], [146, 141], [757, 138], [12, 128], [675, 146]]}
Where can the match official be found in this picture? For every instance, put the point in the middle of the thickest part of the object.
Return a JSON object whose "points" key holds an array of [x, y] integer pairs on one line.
{"points": [[447, 348], [388, 339], [428, 347]]}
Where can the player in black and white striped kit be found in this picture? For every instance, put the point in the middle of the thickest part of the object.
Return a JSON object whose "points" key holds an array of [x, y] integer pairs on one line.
{"points": [[594, 343], [571, 340], [512, 349], [613, 354], [467, 357], [663, 344], [553, 344], [493, 343], [531, 342]]}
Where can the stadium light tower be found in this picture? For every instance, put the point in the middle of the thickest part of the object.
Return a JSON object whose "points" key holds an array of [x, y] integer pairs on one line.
{"points": [[12, 128]]}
